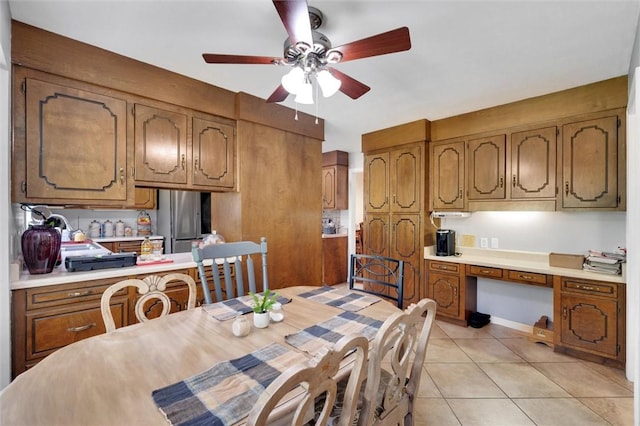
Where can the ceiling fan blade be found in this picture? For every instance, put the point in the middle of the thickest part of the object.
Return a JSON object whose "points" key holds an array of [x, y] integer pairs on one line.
{"points": [[279, 95], [392, 41], [295, 18], [350, 86], [213, 58]]}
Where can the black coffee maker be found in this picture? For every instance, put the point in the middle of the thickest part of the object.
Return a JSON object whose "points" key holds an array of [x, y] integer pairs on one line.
{"points": [[445, 242]]}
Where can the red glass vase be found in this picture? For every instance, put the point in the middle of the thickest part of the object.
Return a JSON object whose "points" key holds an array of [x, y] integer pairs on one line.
{"points": [[40, 248]]}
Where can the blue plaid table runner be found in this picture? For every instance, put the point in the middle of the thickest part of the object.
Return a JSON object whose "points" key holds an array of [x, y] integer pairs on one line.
{"points": [[326, 333], [228, 309], [339, 298], [225, 393]]}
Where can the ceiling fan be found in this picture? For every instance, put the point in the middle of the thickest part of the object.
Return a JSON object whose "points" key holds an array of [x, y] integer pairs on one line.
{"points": [[310, 54]]}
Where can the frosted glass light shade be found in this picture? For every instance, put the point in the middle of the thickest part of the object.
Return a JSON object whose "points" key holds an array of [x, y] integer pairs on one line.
{"points": [[305, 94], [328, 83], [293, 80]]}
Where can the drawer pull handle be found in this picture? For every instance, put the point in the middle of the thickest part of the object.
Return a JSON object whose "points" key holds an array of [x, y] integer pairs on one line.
{"points": [[183, 162], [81, 327], [588, 288], [525, 277], [80, 293], [484, 271], [564, 311]]}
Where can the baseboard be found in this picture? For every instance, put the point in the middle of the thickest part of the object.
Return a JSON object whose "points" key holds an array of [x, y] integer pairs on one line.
{"points": [[512, 324]]}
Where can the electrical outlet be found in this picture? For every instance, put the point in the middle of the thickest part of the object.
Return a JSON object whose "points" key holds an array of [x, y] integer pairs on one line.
{"points": [[494, 243], [484, 242]]}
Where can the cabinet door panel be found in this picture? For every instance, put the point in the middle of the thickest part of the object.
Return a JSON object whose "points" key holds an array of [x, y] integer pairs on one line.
{"points": [[445, 290], [448, 176], [590, 163], [590, 323], [160, 145], [213, 154], [76, 144], [405, 245], [376, 183], [376, 242], [487, 168], [533, 163], [328, 185], [406, 181]]}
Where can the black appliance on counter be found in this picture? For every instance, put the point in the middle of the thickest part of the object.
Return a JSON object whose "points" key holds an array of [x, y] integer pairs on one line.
{"points": [[106, 261], [445, 242]]}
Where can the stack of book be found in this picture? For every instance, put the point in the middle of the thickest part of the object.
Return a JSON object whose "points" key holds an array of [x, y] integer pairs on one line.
{"points": [[605, 262]]}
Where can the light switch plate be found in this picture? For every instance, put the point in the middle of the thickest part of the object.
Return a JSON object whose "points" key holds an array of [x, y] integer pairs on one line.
{"points": [[494, 243], [484, 242]]}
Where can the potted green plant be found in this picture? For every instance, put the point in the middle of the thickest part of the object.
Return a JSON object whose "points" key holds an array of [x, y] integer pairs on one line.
{"points": [[262, 304]]}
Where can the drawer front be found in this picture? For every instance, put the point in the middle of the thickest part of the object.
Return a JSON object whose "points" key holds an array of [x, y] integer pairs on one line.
{"points": [[55, 328], [47, 296], [529, 278], [596, 288], [127, 246], [453, 268], [484, 271]]}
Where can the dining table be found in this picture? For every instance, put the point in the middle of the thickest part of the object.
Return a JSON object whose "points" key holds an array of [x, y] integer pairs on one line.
{"points": [[117, 378]]}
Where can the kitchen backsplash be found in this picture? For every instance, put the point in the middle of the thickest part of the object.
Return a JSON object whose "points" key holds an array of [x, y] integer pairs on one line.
{"points": [[81, 218], [340, 219]]}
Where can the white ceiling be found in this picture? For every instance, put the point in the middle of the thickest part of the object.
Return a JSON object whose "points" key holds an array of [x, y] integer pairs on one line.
{"points": [[465, 55]]}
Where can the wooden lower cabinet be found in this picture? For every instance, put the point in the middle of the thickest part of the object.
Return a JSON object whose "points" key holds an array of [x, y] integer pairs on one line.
{"points": [[47, 318], [590, 319], [453, 292], [335, 261]]}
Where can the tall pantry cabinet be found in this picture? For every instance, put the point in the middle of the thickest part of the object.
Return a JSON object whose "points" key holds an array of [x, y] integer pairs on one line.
{"points": [[395, 193]]}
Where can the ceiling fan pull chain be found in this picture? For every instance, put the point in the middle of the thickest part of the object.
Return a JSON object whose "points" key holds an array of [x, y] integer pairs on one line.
{"points": [[317, 101]]}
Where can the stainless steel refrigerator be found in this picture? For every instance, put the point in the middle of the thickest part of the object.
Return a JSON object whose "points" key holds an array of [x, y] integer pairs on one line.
{"points": [[183, 216]]}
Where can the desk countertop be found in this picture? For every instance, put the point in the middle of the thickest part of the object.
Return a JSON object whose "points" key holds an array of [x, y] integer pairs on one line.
{"points": [[525, 261]]}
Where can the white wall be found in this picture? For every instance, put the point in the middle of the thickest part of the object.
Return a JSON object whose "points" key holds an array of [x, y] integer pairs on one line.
{"points": [[5, 169], [633, 227]]}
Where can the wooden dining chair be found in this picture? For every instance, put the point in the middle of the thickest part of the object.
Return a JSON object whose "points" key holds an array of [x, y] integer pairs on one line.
{"points": [[395, 366], [316, 380], [377, 275], [236, 253], [151, 288]]}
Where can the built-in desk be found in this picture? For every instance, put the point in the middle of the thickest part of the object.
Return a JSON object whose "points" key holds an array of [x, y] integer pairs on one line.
{"points": [[588, 308]]}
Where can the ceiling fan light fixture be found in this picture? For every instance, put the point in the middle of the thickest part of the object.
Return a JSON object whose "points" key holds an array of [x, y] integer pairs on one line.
{"points": [[305, 94], [293, 80], [328, 83]]}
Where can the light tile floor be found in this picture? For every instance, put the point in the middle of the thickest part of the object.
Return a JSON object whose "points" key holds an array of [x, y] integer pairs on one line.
{"points": [[495, 376]]}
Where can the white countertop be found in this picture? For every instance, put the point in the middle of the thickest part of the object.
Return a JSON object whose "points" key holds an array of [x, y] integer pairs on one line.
{"points": [[61, 276], [525, 261], [334, 235], [136, 238]]}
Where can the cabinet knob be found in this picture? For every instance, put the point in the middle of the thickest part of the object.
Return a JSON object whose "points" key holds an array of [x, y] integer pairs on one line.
{"points": [[564, 311]]}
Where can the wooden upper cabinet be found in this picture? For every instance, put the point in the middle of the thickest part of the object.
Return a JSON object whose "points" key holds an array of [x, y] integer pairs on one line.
{"points": [[393, 180], [145, 198], [590, 175], [406, 179], [447, 175], [533, 163], [214, 148], [335, 180], [76, 145], [376, 183], [487, 168], [161, 154]]}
